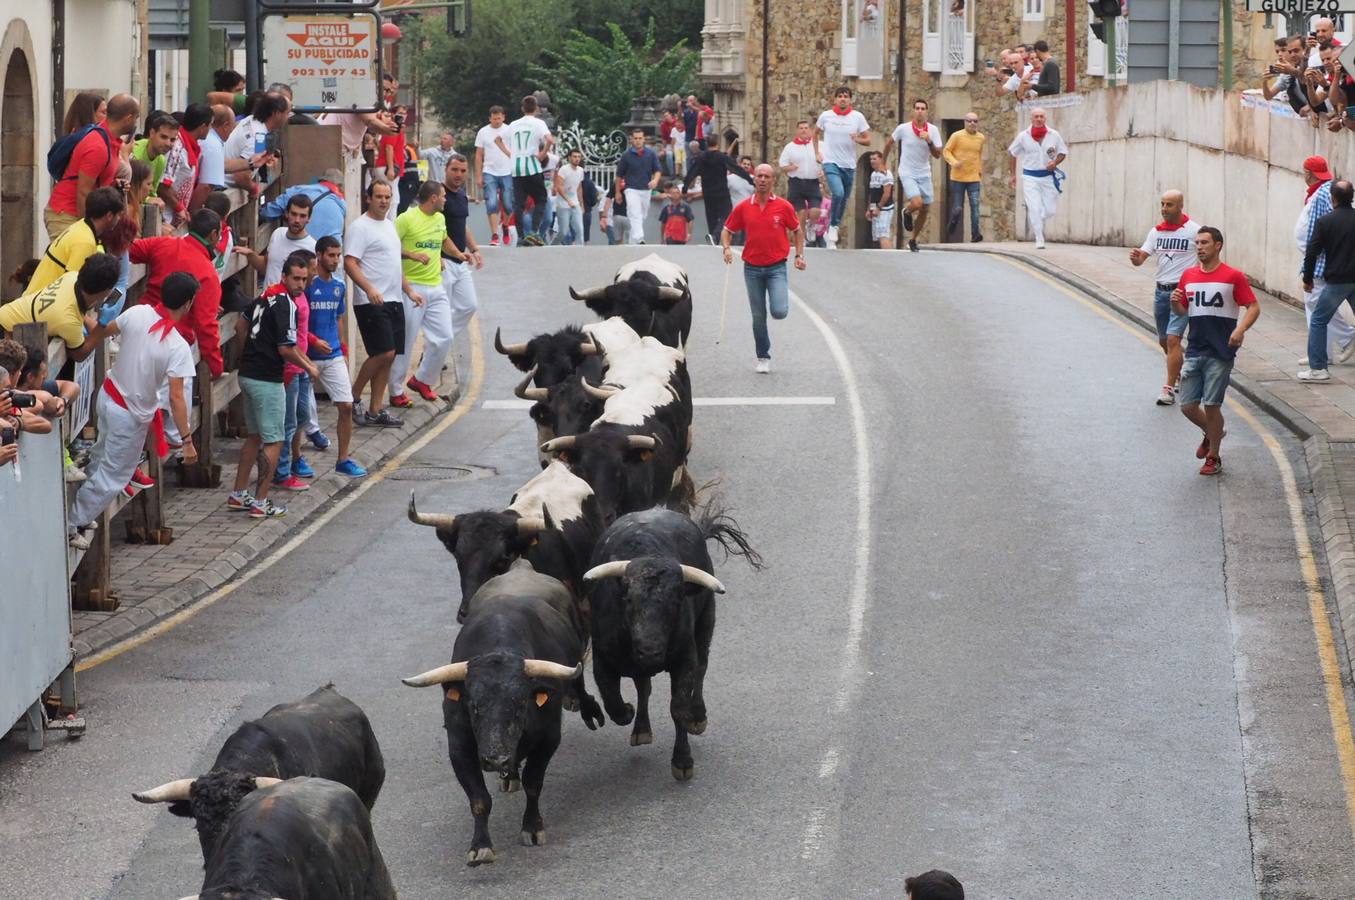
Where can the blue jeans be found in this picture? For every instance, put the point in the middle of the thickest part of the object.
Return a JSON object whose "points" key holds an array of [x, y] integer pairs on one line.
{"points": [[766, 287], [1328, 303], [498, 193], [840, 186], [958, 191], [298, 410], [571, 224]]}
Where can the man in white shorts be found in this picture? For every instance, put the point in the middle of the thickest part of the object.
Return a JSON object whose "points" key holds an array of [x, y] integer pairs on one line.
{"points": [[326, 295], [1039, 150], [1173, 243], [919, 143]]}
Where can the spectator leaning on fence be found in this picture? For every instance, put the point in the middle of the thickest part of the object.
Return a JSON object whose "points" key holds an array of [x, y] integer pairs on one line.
{"points": [[250, 145], [181, 166], [329, 210], [212, 158], [91, 162], [67, 305], [193, 254], [55, 396], [103, 209], [152, 355], [283, 241]]}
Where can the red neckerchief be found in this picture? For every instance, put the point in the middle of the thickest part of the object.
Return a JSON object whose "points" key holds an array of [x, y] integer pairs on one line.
{"points": [[164, 325], [1167, 226], [273, 291], [924, 133], [846, 112], [1039, 133], [1312, 189], [800, 142], [190, 145], [331, 187]]}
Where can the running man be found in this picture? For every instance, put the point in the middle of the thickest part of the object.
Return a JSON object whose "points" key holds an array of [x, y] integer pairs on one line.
{"points": [[919, 143], [837, 134], [495, 168], [964, 154], [530, 141], [1173, 243], [1039, 150], [638, 173], [1213, 295], [423, 240], [800, 163]]}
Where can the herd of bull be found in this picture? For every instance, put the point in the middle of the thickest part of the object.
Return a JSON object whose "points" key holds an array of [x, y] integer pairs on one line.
{"points": [[605, 548]]}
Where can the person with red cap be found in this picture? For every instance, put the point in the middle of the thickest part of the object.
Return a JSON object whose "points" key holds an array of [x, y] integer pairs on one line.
{"points": [[1317, 203]]}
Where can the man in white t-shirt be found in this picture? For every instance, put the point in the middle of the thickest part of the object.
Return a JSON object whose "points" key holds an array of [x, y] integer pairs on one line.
{"points": [[528, 141], [836, 136], [212, 160], [372, 260], [495, 167], [919, 143], [1173, 243], [254, 135], [1038, 150], [283, 241], [801, 165], [151, 353], [569, 197]]}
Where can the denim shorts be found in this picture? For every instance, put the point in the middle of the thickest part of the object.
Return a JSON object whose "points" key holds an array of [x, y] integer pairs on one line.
{"points": [[494, 184], [1168, 320], [265, 405], [1204, 379], [915, 185]]}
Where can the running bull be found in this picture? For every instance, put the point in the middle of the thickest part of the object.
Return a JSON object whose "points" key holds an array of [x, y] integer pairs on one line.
{"points": [[651, 294]]}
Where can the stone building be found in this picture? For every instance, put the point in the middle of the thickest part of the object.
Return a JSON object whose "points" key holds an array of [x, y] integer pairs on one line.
{"points": [[763, 79]]}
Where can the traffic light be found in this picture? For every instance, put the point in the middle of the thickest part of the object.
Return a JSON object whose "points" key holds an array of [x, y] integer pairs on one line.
{"points": [[458, 18], [1102, 10]]}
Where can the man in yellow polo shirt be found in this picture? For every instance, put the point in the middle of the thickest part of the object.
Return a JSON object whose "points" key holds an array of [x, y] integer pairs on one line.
{"points": [[103, 210], [964, 154], [423, 239], [62, 305]]}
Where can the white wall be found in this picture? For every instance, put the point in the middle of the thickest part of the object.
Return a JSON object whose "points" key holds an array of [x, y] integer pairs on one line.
{"points": [[1240, 168]]}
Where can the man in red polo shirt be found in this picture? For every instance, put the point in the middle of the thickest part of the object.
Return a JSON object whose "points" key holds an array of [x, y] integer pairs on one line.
{"points": [[767, 222], [93, 164]]}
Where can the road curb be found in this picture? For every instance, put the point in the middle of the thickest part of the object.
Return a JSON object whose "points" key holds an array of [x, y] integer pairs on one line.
{"points": [[222, 569], [1324, 457]]}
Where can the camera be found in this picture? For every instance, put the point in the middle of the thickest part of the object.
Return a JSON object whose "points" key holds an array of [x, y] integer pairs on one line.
{"points": [[21, 400], [399, 120]]}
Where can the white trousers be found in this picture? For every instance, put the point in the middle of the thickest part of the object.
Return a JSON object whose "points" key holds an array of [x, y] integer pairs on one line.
{"points": [[122, 437], [312, 423], [162, 398], [433, 317], [458, 287], [1042, 201], [637, 210], [1339, 330]]}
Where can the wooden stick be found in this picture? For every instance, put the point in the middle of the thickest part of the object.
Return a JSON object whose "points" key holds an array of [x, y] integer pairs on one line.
{"points": [[724, 304]]}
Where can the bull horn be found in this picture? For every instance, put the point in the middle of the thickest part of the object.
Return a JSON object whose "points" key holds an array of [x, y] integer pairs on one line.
{"points": [[531, 525], [540, 668], [264, 781], [641, 442], [614, 569], [442, 674], [671, 294], [557, 444], [590, 348], [591, 294], [437, 520], [507, 349], [166, 793], [693, 575], [599, 393], [530, 393]]}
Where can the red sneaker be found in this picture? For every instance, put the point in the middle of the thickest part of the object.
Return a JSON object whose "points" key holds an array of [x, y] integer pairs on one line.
{"points": [[494, 241], [141, 480], [401, 401], [291, 483], [1212, 466], [1203, 450], [421, 389]]}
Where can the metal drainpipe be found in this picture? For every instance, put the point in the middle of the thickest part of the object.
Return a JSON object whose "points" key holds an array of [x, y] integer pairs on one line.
{"points": [[1227, 15], [766, 55], [1070, 42], [903, 49]]}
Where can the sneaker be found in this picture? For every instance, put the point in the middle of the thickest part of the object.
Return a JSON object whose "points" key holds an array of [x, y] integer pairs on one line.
{"points": [[73, 474], [291, 483], [976, 239], [239, 501], [301, 468], [832, 237], [764, 366], [264, 509], [383, 419], [1039, 245], [1346, 352], [140, 480], [350, 468], [912, 246], [78, 540], [421, 389], [494, 241], [1212, 466], [319, 440], [358, 415], [1167, 397], [401, 401], [907, 221], [1314, 376], [1203, 450]]}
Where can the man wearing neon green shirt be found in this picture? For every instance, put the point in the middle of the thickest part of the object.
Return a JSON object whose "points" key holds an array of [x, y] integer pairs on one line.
{"points": [[423, 240]]}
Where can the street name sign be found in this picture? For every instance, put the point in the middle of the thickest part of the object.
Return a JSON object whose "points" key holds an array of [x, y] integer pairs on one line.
{"points": [[332, 60], [1301, 7]]}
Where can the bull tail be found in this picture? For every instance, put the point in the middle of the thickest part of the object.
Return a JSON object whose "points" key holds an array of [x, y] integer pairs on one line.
{"points": [[718, 525]]}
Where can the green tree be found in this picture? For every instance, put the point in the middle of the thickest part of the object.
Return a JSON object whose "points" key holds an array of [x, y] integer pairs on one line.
{"points": [[595, 82], [462, 77], [676, 20]]}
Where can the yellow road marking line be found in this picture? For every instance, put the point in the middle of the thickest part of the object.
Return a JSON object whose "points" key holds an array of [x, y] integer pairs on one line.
{"points": [[1329, 659], [463, 406]]}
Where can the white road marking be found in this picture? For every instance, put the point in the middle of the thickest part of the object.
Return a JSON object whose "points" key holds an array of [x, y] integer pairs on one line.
{"points": [[858, 601], [699, 401]]}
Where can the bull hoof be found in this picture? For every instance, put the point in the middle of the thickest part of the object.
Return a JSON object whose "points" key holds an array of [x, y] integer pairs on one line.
{"points": [[534, 838], [480, 856], [592, 716], [684, 774], [641, 737], [695, 727], [509, 785], [626, 716]]}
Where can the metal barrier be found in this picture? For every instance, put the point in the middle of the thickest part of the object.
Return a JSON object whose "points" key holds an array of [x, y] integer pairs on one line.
{"points": [[35, 609]]}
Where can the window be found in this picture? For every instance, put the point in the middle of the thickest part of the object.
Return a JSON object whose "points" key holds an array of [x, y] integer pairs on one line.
{"points": [[948, 36], [851, 24], [863, 34], [1098, 56], [1034, 11]]}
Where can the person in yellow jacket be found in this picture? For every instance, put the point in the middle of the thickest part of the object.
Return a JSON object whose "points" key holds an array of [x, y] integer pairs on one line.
{"points": [[964, 154], [103, 208]]}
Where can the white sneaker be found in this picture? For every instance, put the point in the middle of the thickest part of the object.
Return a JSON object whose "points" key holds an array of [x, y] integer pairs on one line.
{"points": [[832, 237], [78, 541], [763, 366], [1167, 397], [73, 474], [1346, 352], [1314, 375], [1039, 245]]}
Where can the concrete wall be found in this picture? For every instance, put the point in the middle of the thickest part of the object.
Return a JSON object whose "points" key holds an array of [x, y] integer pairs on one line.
{"points": [[1240, 168]]}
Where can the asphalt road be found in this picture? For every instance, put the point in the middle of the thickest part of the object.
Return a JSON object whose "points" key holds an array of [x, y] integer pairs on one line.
{"points": [[1004, 629]]}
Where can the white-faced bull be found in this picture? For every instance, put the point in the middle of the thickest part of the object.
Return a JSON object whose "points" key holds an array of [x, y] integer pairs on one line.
{"points": [[652, 600], [324, 734], [501, 704], [651, 294], [301, 839]]}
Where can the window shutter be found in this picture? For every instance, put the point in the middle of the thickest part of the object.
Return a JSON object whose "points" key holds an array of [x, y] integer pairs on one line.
{"points": [[957, 34], [1096, 55], [850, 25], [931, 36]]}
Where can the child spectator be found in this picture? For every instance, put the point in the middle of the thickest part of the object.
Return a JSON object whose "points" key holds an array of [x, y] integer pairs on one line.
{"points": [[326, 297], [676, 218]]}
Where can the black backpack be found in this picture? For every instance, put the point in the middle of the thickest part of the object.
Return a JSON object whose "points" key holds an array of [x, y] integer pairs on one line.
{"points": [[590, 192], [59, 157]]}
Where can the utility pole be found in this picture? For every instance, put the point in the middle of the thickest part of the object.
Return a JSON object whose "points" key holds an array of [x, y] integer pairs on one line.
{"points": [[199, 50]]}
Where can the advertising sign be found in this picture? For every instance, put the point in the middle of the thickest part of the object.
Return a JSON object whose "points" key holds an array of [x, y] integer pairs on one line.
{"points": [[1302, 7], [331, 60]]}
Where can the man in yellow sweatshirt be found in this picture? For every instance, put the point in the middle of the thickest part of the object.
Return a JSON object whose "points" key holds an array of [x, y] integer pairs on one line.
{"points": [[964, 154]]}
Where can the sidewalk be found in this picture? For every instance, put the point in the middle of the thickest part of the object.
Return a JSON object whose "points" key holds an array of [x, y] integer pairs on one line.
{"points": [[1322, 415], [211, 543]]}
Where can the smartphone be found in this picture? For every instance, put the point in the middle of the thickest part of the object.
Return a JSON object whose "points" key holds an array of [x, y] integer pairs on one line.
{"points": [[114, 297], [1274, 70], [7, 436]]}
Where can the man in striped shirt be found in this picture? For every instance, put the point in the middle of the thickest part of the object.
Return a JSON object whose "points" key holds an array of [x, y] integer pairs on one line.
{"points": [[529, 141]]}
